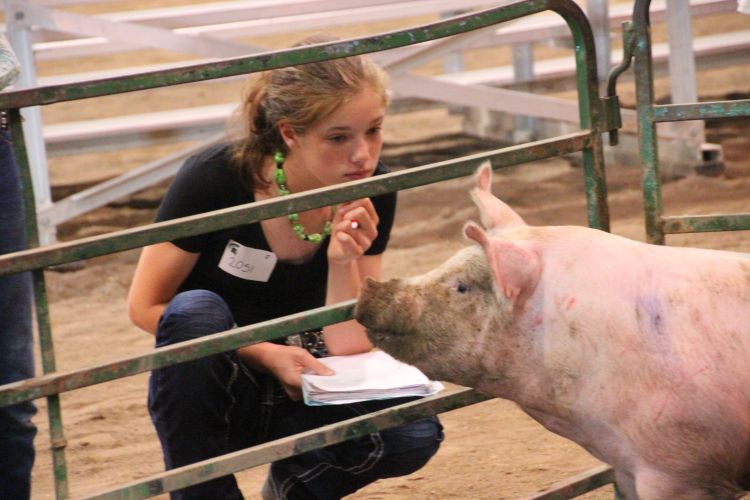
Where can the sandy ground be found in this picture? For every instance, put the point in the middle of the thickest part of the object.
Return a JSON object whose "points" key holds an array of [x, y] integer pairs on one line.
{"points": [[492, 449]]}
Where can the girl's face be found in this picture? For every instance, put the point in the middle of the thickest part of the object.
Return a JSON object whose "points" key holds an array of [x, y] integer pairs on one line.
{"points": [[342, 147]]}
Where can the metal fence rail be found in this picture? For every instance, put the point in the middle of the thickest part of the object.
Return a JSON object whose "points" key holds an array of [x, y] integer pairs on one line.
{"points": [[595, 119]]}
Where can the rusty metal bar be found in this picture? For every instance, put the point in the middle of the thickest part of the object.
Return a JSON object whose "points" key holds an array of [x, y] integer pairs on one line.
{"points": [[614, 74], [592, 113], [41, 308], [706, 223], [578, 485], [701, 111], [592, 116], [244, 214], [644, 84], [568, 9], [293, 445], [177, 353]]}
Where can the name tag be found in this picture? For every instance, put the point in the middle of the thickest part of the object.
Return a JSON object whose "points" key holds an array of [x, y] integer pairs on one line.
{"points": [[247, 263]]}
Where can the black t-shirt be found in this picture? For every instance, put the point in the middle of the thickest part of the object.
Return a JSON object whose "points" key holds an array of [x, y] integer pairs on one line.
{"points": [[207, 182]]}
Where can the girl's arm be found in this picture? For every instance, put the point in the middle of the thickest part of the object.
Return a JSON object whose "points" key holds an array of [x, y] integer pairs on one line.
{"points": [[161, 269], [347, 268]]}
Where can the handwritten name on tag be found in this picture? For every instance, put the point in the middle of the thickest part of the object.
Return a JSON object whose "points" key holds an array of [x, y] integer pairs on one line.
{"points": [[247, 263]]}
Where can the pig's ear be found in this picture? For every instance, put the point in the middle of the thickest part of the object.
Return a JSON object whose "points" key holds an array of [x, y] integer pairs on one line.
{"points": [[515, 270], [494, 213], [483, 176]]}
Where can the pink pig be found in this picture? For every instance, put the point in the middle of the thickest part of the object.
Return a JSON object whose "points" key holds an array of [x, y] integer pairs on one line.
{"points": [[639, 353]]}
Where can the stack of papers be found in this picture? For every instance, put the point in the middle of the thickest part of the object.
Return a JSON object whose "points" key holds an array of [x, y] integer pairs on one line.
{"points": [[371, 375]]}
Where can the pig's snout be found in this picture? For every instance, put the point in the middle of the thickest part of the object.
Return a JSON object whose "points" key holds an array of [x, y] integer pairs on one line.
{"points": [[385, 309], [373, 300], [367, 305]]}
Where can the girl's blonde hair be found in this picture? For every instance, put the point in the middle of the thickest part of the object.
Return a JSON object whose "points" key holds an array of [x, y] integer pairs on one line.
{"points": [[300, 96]]}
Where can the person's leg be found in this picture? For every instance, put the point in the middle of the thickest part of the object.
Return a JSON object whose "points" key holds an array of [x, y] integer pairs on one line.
{"points": [[17, 431], [336, 471], [16, 342], [194, 405]]}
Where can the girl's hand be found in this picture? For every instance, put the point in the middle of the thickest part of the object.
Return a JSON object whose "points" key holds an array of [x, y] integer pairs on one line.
{"points": [[355, 227], [287, 364]]}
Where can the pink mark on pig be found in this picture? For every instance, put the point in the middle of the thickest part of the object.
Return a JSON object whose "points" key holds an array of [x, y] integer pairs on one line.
{"points": [[628, 350], [565, 303]]}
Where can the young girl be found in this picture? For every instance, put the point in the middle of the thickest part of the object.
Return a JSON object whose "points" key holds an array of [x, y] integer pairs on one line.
{"points": [[304, 127]]}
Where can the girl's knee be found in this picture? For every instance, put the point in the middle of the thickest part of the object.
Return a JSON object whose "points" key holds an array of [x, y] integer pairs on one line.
{"points": [[409, 447], [420, 438], [415, 434], [193, 314]]}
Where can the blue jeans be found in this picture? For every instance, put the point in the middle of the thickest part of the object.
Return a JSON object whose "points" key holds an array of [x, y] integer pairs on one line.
{"points": [[16, 344], [216, 405]]}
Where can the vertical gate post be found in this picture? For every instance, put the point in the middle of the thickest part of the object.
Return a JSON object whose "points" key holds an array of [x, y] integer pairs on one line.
{"points": [[41, 307], [644, 88], [591, 112]]}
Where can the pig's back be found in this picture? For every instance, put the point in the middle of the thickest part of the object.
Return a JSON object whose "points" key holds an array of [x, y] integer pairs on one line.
{"points": [[665, 332]]}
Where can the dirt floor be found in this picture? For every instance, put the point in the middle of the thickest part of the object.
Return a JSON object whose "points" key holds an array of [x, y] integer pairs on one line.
{"points": [[492, 449]]}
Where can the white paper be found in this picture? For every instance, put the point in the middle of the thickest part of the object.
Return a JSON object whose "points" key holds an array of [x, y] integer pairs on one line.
{"points": [[361, 377], [743, 6]]}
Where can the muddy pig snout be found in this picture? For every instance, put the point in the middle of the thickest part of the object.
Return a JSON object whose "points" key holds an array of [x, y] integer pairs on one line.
{"points": [[385, 306], [364, 311]]}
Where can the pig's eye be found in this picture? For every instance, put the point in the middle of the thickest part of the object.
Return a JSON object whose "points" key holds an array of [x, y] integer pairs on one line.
{"points": [[462, 287]]}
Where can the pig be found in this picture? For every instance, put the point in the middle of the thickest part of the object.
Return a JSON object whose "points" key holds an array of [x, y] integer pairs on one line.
{"points": [[639, 353]]}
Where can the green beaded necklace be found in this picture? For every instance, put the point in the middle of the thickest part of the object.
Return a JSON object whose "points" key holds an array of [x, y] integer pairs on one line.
{"points": [[280, 178]]}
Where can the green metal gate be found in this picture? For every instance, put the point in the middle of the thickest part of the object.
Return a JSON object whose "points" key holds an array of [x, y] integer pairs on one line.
{"points": [[597, 116], [637, 47]]}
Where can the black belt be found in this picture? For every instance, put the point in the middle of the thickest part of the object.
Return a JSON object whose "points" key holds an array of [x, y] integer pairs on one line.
{"points": [[311, 340]]}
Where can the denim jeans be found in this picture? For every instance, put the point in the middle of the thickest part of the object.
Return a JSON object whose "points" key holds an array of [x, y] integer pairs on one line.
{"points": [[16, 344], [216, 405]]}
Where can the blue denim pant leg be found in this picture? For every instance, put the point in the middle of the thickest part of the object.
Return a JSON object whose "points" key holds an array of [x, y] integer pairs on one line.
{"points": [[193, 405], [339, 470], [16, 343]]}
